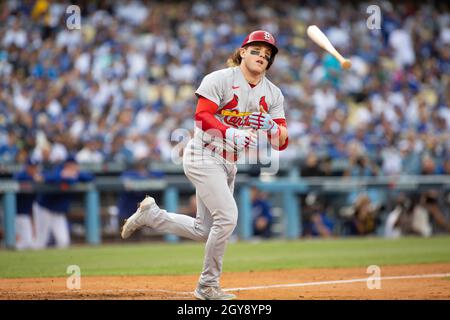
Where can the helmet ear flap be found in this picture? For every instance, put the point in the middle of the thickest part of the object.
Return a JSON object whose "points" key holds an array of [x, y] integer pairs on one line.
{"points": [[272, 59]]}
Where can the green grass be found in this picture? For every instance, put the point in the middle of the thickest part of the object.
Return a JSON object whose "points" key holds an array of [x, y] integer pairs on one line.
{"points": [[186, 258]]}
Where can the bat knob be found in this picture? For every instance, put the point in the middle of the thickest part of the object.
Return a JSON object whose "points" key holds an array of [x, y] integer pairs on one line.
{"points": [[346, 64]]}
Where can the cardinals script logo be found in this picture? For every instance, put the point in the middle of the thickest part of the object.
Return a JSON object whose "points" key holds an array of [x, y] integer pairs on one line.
{"points": [[237, 119]]}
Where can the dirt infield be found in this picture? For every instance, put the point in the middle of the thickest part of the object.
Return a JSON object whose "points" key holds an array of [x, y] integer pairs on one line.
{"points": [[418, 282]]}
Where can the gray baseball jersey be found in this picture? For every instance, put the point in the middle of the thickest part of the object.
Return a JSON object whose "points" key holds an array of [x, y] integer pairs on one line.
{"points": [[237, 100]]}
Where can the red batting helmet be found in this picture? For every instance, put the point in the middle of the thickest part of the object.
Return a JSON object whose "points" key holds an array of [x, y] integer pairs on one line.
{"points": [[262, 36]]}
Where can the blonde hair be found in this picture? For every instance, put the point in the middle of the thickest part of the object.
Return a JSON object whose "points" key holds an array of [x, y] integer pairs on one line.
{"points": [[235, 59]]}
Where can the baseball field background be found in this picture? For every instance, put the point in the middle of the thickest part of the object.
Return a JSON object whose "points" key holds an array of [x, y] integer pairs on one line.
{"points": [[112, 85], [409, 268]]}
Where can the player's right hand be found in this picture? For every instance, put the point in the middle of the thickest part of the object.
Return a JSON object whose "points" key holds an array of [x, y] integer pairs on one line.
{"points": [[241, 139]]}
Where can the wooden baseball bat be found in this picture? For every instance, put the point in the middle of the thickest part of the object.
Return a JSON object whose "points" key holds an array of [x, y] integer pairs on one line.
{"points": [[316, 35]]}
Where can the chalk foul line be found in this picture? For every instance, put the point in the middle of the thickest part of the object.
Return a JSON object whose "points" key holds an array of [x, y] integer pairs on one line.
{"points": [[319, 283]]}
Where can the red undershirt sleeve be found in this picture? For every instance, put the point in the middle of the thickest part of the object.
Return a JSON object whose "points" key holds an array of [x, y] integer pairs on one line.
{"points": [[204, 117], [281, 122]]}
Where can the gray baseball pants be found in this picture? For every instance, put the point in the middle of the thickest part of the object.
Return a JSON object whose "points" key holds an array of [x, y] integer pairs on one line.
{"points": [[217, 212]]}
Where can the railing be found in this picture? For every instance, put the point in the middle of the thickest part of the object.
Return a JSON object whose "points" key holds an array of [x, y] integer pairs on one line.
{"points": [[171, 187]]}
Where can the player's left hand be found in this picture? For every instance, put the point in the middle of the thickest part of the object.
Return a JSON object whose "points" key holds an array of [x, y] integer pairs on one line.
{"points": [[263, 121]]}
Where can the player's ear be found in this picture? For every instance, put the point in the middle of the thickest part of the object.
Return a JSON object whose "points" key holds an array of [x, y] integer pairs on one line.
{"points": [[242, 52]]}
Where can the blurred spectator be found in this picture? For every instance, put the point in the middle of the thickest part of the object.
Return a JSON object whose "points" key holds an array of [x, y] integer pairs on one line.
{"points": [[52, 207], [9, 150], [361, 166], [311, 167], [91, 152], [445, 168], [431, 203], [119, 151], [400, 40], [428, 165], [365, 219], [416, 215], [15, 36], [332, 70], [318, 223], [410, 153], [327, 167], [262, 214], [324, 99], [394, 226], [391, 162], [25, 200]]}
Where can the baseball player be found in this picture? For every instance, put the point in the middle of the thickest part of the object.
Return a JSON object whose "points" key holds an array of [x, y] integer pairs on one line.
{"points": [[233, 103], [24, 201], [50, 214]]}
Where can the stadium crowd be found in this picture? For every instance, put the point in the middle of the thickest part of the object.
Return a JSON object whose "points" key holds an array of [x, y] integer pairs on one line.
{"points": [[115, 89]]}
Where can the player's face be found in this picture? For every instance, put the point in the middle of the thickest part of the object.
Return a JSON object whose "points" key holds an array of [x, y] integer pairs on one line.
{"points": [[257, 56]]}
